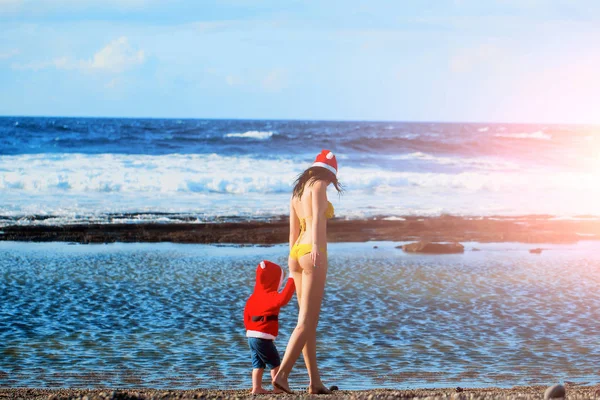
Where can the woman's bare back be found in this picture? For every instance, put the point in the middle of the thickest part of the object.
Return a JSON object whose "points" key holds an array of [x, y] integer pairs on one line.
{"points": [[303, 208]]}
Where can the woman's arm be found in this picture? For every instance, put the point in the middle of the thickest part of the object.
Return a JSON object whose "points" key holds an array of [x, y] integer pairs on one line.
{"points": [[294, 224], [319, 206]]}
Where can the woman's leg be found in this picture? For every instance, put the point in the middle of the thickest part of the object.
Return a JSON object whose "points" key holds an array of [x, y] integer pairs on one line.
{"points": [[309, 352], [280, 380], [311, 292]]}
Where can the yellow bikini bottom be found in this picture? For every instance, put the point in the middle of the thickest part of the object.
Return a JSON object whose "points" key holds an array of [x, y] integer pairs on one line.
{"points": [[302, 249]]}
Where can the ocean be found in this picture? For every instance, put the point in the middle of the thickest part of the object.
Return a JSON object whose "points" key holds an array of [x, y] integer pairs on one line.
{"points": [[164, 315], [56, 171], [170, 316]]}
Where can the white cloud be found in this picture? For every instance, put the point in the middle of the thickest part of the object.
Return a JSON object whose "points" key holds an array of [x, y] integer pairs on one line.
{"points": [[39, 65], [60, 6], [467, 59], [10, 53], [117, 56], [233, 80], [211, 26], [113, 83], [9, 5], [275, 81]]}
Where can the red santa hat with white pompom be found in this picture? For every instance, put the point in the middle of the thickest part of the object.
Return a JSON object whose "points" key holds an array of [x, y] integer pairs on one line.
{"points": [[326, 159]]}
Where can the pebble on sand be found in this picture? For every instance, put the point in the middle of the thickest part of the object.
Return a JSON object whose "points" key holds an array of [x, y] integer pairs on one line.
{"points": [[555, 392]]}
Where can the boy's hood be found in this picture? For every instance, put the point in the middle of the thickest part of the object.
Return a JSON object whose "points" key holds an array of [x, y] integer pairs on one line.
{"points": [[268, 277]]}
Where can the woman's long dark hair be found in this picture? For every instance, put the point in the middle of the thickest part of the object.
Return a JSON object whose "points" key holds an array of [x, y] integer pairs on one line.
{"points": [[312, 175]]}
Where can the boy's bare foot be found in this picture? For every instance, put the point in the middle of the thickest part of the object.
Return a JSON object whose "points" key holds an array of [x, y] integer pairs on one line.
{"points": [[261, 391], [321, 389], [281, 384], [277, 391]]}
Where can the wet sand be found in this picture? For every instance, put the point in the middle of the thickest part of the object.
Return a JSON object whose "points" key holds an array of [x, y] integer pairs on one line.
{"points": [[523, 392], [525, 229]]}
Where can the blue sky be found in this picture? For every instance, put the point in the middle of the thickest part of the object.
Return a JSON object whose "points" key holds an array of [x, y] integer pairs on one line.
{"points": [[421, 60]]}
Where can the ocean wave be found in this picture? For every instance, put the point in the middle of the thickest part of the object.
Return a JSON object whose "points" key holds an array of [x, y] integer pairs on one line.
{"points": [[212, 173], [175, 173], [538, 135], [483, 163], [259, 135], [71, 187]]}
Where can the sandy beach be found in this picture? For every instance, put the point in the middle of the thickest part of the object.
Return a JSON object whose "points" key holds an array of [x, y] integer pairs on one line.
{"points": [[445, 228], [521, 392]]}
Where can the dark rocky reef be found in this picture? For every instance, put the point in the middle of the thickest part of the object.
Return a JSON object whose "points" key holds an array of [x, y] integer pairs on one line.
{"points": [[433, 248], [528, 229]]}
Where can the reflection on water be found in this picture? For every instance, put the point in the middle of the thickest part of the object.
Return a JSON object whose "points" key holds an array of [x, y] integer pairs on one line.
{"points": [[170, 316]]}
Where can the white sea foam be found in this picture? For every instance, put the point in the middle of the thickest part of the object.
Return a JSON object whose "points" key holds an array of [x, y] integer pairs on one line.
{"points": [[78, 187], [411, 136], [484, 129], [394, 219], [210, 174], [539, 135], [141, 173], [486, 163], [260, 135]]}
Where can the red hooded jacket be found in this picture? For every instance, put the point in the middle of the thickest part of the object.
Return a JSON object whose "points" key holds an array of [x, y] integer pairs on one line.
{"points": [[262, 308]]}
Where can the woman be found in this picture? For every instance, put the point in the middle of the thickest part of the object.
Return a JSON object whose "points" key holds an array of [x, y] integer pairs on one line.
{"points": [[309, 211]]}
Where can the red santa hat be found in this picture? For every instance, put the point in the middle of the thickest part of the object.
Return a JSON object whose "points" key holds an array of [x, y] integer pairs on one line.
{"points": [[326, 159]]}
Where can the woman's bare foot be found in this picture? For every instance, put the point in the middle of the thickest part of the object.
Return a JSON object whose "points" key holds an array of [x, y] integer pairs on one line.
{"points": [[318, 389], [261, 391], [280, 382]]}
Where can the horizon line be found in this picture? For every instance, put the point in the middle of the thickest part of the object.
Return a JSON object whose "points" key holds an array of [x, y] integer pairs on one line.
{"points": [[302, 119]]}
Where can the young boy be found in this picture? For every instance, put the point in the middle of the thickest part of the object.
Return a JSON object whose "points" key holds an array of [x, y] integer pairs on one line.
{"points": [[261, 320]]}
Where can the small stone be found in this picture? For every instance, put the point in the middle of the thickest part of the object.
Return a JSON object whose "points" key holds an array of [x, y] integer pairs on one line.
{"points": [[475, 249], [555, 392], [375, 247], [459, 389], [536, 251], [333, 388], [433, 248]]}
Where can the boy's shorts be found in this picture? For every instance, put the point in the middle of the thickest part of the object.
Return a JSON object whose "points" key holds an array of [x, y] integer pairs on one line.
{"points": [[264, 353]]}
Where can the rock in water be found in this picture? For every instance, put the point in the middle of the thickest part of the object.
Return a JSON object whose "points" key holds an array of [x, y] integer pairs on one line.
{"points": [[555, 392], [433, 248], [536, 251]]}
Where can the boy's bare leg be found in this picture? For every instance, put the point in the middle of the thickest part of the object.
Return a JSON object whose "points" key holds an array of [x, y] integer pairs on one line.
{"points": [[257, 374]]}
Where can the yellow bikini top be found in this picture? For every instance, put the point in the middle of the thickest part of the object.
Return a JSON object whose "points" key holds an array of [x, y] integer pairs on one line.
{"points": [[329, 213]]}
